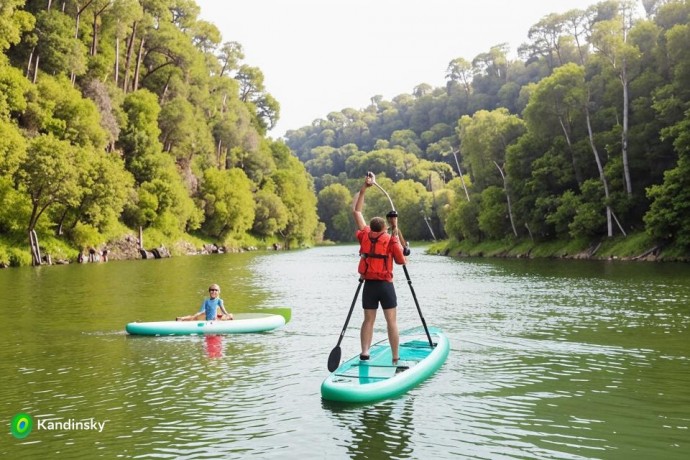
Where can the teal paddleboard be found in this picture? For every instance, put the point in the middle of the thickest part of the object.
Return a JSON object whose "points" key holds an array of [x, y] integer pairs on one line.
{"points": [[375, 379], [243, 323]]}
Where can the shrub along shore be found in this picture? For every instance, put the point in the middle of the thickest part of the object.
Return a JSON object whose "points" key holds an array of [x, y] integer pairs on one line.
{"points": [[637, 247]]}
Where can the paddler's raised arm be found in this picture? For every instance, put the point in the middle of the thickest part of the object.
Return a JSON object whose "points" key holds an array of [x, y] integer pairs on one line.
{"points": [[358, 201]]}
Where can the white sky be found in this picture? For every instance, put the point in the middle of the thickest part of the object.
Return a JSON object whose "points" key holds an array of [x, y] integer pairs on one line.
{"points": [[321, 56]]}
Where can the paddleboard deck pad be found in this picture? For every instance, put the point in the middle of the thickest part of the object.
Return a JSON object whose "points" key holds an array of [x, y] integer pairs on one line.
{"points": [[377, 378], [243, 323]]}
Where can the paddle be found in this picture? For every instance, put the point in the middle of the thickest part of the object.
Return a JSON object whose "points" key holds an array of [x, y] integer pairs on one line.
{"points": [[334, 357], [414, 296], [407, 275]]}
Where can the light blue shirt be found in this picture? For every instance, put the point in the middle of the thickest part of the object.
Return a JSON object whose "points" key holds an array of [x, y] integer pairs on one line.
{"points": [[210, 306]]}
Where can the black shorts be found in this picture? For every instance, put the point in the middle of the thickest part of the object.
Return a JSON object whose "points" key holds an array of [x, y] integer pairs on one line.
{"points": [[378, 291]]}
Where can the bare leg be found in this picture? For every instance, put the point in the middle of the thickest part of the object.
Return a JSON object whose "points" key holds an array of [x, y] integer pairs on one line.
{"points": [[190, 317], [393, 336], [367, 331]]}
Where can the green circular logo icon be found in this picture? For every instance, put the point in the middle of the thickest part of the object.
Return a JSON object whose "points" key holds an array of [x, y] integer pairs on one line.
{"points": [[21, 425]]}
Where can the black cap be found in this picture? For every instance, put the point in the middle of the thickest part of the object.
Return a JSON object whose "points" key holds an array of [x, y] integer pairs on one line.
{"points": [[393, 213]]}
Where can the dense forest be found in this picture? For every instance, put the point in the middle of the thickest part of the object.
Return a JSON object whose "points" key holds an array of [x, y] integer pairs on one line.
{"points": [[127, 116], [121, 116], [584, 136]]}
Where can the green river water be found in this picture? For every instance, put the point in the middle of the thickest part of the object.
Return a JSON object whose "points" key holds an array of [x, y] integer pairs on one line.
{"points": [[549, 359]]}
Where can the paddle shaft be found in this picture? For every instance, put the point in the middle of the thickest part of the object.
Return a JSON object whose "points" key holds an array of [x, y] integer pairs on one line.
{"points": [[402, 240], [349, 314], [419, 310], [407, 275]]}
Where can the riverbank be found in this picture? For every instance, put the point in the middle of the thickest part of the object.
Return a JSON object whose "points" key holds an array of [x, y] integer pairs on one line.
{"points": [[126, 247], [635, 247]]}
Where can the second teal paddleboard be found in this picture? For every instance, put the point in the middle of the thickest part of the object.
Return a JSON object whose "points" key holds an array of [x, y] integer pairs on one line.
{"points": [[243, 323]]}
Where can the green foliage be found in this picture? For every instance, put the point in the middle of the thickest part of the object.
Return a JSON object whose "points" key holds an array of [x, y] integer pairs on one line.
{"points": [[60, 52], [493, 214], [59, 109], [13, 22], [18, 257], [50, 175], [169, 134], [334, 207], [589, 219], [388, 162], [485, 139], [296, 189], [12, 149], [14, 89], [463, 221], [107, 187], [15, 209], [413, 204], [229, 205], [139, 137], [85, 236], [564, 209], [668, 218], [271, 214]]}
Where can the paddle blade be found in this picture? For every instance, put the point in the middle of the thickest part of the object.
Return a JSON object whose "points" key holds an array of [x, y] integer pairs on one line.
{"points": [[334, 359]]}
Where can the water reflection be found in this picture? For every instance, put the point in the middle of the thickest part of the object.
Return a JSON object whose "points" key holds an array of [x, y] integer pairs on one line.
{"points": [[213, 346], [383, 430]]}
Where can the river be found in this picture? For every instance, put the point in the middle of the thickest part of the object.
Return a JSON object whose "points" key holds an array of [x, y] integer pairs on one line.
{"points": [[550, 359]]}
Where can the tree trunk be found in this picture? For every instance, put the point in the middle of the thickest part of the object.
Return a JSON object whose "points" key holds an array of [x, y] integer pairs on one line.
{"points": [[137, 67], [36, 258], [566, 133], [218, 151], [28, 65], [94, 28], [602, 176], [426, 221], [38, 57], [94, 33], [128, 58], [510, 208], [462, 178], [117, 60], [624, 135]]}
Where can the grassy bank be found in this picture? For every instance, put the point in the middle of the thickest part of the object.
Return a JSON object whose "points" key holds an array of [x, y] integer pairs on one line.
{"points": [[632, 247], [125, 246]]}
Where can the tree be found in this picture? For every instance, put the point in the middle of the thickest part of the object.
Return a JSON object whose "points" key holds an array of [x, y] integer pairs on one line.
{"points": [[668, 218], [555, 107], [13, 23], [228, 203], [139, 136], [50, 175], [295, 188], [106, 186], [460, 72], [334, 207], [610, 38], [58, 50], [485, 138], [271, 214]]}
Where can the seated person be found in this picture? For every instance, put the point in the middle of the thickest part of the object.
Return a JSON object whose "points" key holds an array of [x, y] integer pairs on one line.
{"points": [[209, 309]]}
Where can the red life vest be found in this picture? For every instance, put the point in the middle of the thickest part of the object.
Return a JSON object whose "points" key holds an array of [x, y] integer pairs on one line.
{"points": [[375, 262]]}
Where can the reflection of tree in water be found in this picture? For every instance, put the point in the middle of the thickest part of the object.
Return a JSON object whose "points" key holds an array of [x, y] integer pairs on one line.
{"points": [[382, 431]]}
